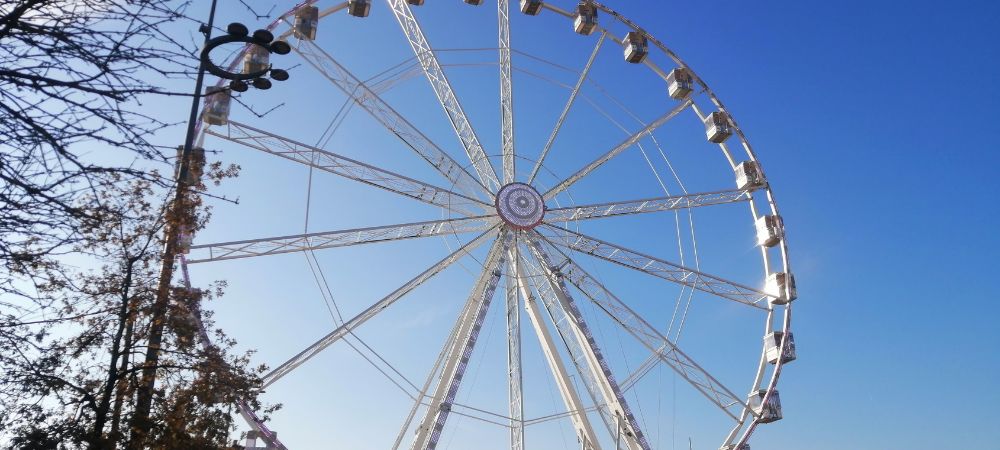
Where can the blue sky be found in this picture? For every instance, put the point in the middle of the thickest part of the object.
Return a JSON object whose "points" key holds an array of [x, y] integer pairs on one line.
{"points": [[874, 121]]}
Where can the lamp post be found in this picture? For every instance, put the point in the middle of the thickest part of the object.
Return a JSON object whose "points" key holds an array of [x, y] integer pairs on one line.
{"points": [[236, 32]]}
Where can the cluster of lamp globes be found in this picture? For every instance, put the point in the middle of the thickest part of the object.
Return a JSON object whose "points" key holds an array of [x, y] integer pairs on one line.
{"points": [[237, 32]]}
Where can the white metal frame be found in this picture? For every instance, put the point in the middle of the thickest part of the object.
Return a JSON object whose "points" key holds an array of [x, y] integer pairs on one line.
{"points": [[539, 262], [445, 94]]}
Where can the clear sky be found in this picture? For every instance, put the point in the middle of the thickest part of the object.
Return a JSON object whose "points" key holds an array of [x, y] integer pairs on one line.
{"points": [[875, 121]]}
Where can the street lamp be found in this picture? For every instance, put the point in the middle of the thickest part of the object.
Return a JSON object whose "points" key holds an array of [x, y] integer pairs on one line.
{"points": [[261, 45], [257, 66]]}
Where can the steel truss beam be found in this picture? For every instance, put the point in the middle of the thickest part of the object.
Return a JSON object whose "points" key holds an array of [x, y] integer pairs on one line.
{"points": [[457, 361], [641, 371], [365, 97], [565, 111], [586, 354], [567, 334], [628, 142], [654, 266], [506, 96], [574, 407], [342, 238], [470, 305], [514, 374], [373, 310], [445, 94], [731, 404], [668, 203], [290, 149]]}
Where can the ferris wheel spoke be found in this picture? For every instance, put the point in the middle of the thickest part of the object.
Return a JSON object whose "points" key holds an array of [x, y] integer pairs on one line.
{"points": [[667, 203], [420, 399], [379, 109], [662, 347], [628, 142], [274, 144], [445, 94], [373, 310], [583, 350], [506, 96], [569, 104], [654, 266], [342, 238], [457, 361], [575, 409]]}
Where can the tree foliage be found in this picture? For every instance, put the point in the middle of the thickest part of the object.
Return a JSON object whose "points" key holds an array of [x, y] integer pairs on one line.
{"points": [[73, 380]]}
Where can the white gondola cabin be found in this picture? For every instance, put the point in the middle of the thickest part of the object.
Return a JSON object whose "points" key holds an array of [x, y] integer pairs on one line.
{"points": [[184, 240], [769, 411], [217, 110], [256, 59], [636, 47], [196, 165], [359, 8], [781, 285], [772, 347], [306, 22], [680, 83], [531, 7], [770, 230], [586, 18], [251, 440], [748, 176], [717, 127]]}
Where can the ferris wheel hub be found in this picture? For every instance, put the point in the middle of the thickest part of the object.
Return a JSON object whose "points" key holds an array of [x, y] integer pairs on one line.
{"points": [[520, 206]]}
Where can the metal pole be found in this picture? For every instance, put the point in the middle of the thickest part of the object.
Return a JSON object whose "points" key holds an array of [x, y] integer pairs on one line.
{"points": [[618, 433], [144, 395]]}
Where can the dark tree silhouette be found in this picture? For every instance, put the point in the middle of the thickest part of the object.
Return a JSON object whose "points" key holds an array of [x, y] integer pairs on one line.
{"points": [[73, 74], [74, 380]]}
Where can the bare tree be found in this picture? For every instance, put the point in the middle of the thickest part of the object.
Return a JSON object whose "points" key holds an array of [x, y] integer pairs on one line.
{"points": [[73, 78], [73, 74]]}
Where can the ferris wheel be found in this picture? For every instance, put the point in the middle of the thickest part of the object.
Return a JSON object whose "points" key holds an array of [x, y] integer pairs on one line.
{"points": [[521, 216]]}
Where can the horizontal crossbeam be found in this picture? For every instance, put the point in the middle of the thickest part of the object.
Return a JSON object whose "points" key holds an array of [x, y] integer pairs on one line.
{"points": [[353, 169], [656, 267], [669, 203], [342, 238]]}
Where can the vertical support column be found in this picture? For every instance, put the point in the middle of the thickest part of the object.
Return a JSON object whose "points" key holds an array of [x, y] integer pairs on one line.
{"points": [[600, 371], [578, 414], [567, 334], [514, 378]]}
